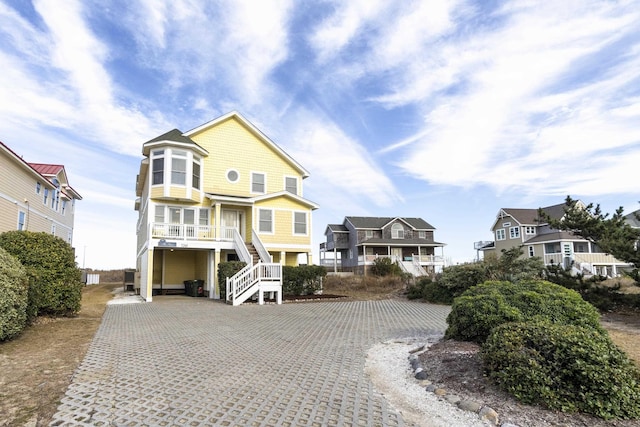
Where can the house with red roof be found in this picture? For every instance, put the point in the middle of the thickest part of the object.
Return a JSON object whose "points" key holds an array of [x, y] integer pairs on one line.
{"points": [[35, 196]]}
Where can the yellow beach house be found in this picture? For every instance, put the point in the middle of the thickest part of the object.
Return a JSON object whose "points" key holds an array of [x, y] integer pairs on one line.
{"points": [[220, 192]]}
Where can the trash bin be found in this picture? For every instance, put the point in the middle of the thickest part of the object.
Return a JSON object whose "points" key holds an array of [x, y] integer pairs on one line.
{"points": [[194, 288]]}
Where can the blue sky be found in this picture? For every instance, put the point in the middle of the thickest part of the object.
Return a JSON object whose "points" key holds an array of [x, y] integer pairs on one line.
{"points": [[445, 110]]}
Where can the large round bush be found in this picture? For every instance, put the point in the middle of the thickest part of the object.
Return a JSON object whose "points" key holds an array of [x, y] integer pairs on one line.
{"points": [[563, 367], [55, 285], [13, 296], [483, 307]]}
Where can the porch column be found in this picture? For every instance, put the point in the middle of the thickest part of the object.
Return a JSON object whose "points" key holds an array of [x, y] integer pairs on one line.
{"points": [[216, 224], [309, 260], [283, 258], [214, 291], [335, 260]]}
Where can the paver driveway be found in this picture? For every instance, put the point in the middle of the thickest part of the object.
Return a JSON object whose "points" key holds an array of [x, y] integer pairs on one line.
{"points": [[196, 362]]}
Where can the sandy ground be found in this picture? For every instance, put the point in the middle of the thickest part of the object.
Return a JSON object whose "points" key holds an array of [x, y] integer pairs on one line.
{"points": [[388, 367]]}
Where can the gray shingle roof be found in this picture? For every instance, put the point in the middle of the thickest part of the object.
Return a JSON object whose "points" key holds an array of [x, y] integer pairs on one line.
{"points": [[530, 216], [632, 220], [172, 135], [370, 222], [338, 228]]}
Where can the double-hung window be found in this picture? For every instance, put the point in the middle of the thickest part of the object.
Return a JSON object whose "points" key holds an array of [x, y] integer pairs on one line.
{"points": [[500, 234], [514, 232], [291, 184], [195, 175], [299, 223], [179, 168], [157, 168], [22, 216], [265, 220], [258, 182]]}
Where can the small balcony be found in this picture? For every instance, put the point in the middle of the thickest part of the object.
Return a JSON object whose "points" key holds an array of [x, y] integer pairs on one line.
{"points": [[190, 232]]}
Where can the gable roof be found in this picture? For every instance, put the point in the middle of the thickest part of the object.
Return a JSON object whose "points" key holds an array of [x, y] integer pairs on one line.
{"points": [[44, 171], [632, 220], [255, 131], [370, 222], [337, 228], [530, 216]]}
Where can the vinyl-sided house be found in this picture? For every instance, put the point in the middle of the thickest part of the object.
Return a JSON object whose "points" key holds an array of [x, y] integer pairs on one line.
{"points": [[358, 241], [220, 192], [523, 228], [35, 196]]}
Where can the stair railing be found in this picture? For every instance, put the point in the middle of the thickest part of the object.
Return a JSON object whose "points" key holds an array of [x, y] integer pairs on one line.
{"points": [[241, 248], [243, 280], [264, 255]]}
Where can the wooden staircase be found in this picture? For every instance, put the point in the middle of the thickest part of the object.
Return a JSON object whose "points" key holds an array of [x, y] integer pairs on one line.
{"points": [[253, 252]]}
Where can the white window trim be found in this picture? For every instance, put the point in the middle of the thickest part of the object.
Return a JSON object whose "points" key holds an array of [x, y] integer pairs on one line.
{"points": [[306, 223], [251, 182], [297, 192], [182, 155], [226, 175], [501, 234], [273, 221], [164, 155], [394, 231], [514, 232], [531, 251], [368, 234], [24, 223], [530, 230]]}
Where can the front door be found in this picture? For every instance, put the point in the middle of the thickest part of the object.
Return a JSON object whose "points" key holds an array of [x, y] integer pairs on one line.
{"points": [[231, 220], [396, 254]]}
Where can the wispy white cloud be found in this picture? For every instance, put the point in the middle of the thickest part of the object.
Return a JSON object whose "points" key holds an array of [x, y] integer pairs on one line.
{"points": [[342, 168], [504, 116]]}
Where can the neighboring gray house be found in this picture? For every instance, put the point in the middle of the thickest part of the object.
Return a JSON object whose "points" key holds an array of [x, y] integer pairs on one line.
{"points": [[524, 229], [358, 241]]}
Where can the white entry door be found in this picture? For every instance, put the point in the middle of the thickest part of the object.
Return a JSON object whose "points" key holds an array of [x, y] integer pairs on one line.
{"points": [[231, 220]]}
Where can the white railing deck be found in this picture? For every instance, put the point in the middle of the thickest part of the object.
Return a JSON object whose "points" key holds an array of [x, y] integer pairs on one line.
{"points": [[261, 277], [160, 230], [420, 259]]}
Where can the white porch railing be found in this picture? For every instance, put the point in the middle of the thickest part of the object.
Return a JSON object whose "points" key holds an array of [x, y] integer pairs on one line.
{"points": [[420, 259], [181, 231], [161, 230], [260, 278]]}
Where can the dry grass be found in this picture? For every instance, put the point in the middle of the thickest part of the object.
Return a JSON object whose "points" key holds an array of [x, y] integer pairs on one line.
{"points": [[364, 287], [37, 367]]}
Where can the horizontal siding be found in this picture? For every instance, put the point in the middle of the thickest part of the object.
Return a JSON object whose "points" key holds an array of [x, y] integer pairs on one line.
{"points": [[18, 192], [232, 146]]}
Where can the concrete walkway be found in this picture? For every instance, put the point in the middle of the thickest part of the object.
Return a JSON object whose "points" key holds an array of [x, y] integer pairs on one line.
{"points": [[181, 361]]}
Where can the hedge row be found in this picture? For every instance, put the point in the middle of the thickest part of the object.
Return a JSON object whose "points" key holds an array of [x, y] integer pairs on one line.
{"points": [[54, 282]]}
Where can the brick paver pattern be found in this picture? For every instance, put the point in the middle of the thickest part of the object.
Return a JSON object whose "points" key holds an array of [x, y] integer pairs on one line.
{"points": [[196, 362]]}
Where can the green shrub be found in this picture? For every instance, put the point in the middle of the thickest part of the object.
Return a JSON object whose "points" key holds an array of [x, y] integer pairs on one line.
{"points": [[427, 289], [383, 266], [55, 285], [227, 269], [483, 307], [14, 287], [458, 278], [563, 367], [302, 280]]}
